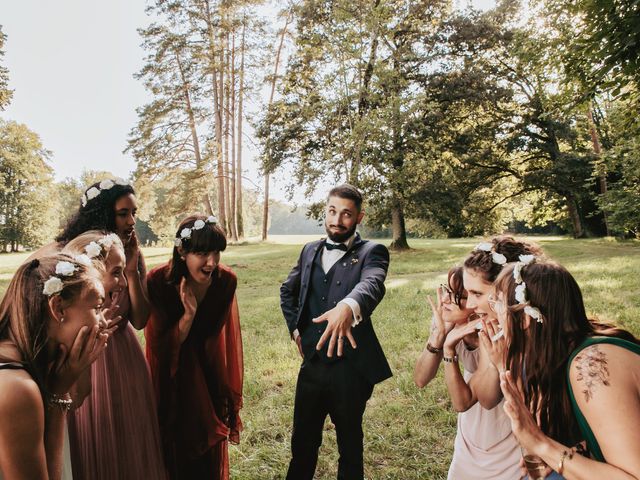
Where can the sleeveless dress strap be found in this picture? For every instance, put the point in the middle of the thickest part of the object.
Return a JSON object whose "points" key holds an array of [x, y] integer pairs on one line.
{"points": [[589, 437], [11, 366]]}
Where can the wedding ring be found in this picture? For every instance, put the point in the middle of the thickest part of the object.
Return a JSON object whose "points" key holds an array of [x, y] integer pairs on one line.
{"points": [[497, 336]]}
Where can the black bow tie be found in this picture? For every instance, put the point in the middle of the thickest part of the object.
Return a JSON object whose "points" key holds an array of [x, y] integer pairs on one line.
{"points": [[333, 246]]}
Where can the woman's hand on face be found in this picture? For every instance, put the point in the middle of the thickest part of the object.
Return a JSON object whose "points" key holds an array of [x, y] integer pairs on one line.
{"points": [[493, 342], [188, 299], [110, 318], [523, 425], [439, 327], [132, 253], [89, 343], [457, 333]]}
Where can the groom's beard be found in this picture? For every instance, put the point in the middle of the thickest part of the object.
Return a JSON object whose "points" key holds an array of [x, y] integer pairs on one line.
{"points": [[340, 235]]}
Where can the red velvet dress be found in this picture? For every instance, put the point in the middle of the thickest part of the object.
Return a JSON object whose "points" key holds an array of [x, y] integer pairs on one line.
{"points": [[198, 384]]}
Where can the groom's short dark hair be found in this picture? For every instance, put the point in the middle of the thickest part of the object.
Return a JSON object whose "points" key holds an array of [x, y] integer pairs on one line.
{"points": [[349, 192]]}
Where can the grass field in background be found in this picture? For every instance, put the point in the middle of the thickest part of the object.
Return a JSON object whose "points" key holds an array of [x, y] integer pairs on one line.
{"points": [[408, 432]]}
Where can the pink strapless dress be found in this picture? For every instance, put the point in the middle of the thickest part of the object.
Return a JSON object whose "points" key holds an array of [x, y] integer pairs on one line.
{"points": [[114, 435]]}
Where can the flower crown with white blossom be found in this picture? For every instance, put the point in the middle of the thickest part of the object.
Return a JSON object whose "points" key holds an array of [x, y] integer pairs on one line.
{"points": [[55, 283], [488, 247], [521, 287], [185, 233], [105, 184], [96, 248]]}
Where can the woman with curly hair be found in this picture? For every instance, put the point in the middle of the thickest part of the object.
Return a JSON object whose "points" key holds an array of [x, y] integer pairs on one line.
{"points": [[114, 434], [580, 381], [484, 447], [49, 335], [194, 348]]}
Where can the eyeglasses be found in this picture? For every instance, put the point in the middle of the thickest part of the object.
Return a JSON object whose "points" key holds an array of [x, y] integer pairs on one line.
{"points": [[449, 296], [495, 304]]}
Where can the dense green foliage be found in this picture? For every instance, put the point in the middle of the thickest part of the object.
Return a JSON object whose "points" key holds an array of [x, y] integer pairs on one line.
{"points": [[465, 120]]}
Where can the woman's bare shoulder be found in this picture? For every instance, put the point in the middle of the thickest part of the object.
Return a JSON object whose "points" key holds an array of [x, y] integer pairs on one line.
{"points": [[604, 368]]}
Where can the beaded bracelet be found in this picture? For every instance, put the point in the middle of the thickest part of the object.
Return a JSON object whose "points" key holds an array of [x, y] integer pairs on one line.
{"points": [[433, 349], [63, 402], [450, 359]]}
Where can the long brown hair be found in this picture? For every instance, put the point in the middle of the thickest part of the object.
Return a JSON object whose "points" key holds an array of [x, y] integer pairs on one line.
{"points": [[539, 353], [24, 308], [482, 261]]}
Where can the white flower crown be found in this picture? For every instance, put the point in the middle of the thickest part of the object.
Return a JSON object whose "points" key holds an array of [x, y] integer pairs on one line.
{"points": [[185, 233], [496, 257], [54, 284], [105, 184], [521, 287], [94, 249]]}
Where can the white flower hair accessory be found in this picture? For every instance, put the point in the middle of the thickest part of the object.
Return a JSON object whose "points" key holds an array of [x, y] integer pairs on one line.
{"points": [[198, 224], [185, 233], [108, 240], [65, 269], [55, 284], [521, 287], [496, 257], [93, 250], [83, 259], [52, 286], [106, 184]]}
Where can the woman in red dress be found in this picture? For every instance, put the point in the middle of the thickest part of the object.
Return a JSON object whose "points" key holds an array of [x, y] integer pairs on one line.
{"points": [[194, 349]]}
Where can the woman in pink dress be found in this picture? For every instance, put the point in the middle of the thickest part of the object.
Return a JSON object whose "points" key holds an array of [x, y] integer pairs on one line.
{"points": [[114, 434], [49, 334]]}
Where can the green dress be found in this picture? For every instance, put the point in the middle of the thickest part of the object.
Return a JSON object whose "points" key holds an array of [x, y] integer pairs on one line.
{"points": [[589, 437]]}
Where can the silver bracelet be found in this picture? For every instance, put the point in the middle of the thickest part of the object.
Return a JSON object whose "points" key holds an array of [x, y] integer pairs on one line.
{"points": [[63, 402]]}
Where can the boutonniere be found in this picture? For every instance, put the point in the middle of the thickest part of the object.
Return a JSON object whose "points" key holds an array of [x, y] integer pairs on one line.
{"points": [[354, 260]]}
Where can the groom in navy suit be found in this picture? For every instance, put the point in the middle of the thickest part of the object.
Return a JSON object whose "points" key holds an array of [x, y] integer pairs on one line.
{"points": [[327, 302]]}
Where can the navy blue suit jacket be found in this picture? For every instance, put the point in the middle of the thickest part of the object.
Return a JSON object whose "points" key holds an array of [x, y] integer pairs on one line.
{"points": [[361, 273]]}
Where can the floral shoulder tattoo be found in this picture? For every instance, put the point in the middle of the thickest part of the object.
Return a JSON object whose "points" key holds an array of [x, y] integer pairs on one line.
{"points": [[593, 371]]}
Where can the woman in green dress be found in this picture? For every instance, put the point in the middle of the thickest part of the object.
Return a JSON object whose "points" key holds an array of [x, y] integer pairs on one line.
{"points": [[571, 381]]}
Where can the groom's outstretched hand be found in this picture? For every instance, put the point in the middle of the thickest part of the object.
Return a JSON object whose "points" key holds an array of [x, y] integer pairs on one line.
{"points": [[339, 320]]}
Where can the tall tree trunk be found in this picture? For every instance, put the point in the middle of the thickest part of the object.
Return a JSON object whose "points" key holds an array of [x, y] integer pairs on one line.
{"points": [[265, 207], [398, 229], [574, 215], [217, 107], [602, 178], [239, 217], [227, 117], [363, 105], [192, 127], [232, 133]]}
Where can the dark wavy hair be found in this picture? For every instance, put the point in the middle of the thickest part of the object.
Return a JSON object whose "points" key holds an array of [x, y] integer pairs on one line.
{"points": [[24, 309], [481, 261], [97, 214], [456, 284], [349, 192], [541, 350], [210, 238]]}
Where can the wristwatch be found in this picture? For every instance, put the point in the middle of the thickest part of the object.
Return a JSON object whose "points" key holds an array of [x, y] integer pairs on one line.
{"points": [[453, 359]]}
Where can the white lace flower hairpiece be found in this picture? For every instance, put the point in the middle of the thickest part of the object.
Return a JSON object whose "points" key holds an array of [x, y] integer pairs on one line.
{"points": [[185, 233], [94, 249], [496, 257], [521, 287], [105, 184], [54, 284]]}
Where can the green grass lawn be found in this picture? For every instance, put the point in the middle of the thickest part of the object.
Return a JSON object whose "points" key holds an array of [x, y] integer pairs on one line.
{"points": [[408, 432]]}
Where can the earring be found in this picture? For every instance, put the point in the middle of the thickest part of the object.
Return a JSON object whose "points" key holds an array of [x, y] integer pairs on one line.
{"points": [[61, 319]]}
